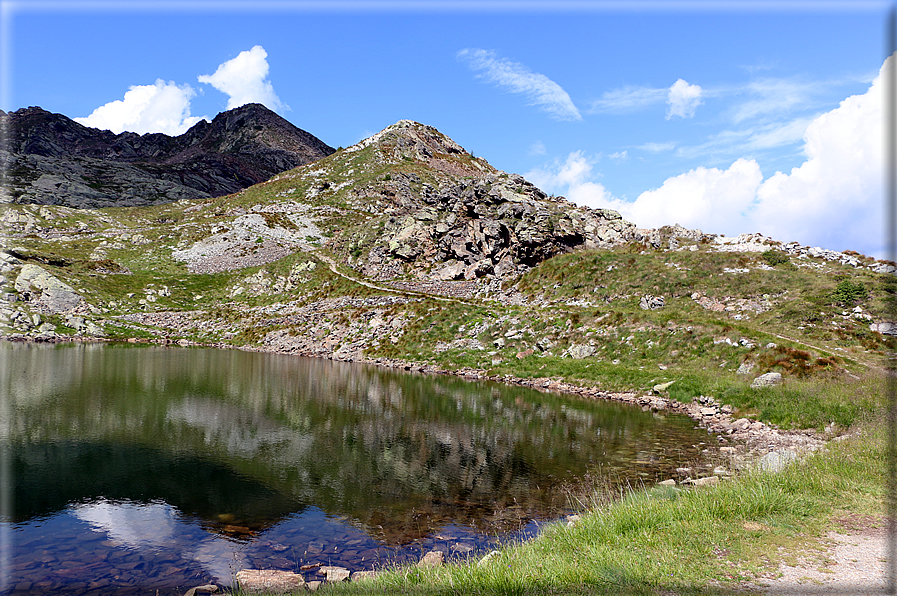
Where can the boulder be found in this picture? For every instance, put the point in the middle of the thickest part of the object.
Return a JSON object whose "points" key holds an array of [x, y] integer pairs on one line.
{"points": [[776, 461], [662, 386], [651, 302], [334, 574], [580, 351], [886, 328], [767, 380], [451, 271], [434, 558], [488, 557], [745, 368], [54, 295]]}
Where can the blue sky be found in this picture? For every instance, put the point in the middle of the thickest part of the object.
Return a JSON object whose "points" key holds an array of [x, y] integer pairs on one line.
{"points": [[727, 117]]}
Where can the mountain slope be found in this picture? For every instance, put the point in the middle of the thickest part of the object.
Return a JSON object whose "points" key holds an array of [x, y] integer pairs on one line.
{"points": [[405, 248], [53, 160], [409, 201]]}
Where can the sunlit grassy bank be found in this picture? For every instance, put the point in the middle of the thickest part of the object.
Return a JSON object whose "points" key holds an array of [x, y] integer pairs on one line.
{"points": [[667, 540], [673, 540]]}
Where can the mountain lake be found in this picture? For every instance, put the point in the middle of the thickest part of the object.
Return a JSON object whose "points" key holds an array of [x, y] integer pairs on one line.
{"points": [[129, 469]]}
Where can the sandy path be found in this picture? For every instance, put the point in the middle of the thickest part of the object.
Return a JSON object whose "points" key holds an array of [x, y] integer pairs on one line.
{"points": [[855, 562]]}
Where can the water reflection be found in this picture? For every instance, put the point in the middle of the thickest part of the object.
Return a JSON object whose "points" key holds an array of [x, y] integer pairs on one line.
{"points": [[241, 446]]}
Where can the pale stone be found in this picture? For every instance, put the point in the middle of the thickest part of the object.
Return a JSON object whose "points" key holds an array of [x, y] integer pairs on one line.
{"points": [[767, 380], [580, 351], [776, 461], [669, 482], [270, 581], [488, 557], [334, 574], [434, 558], [662, 386]]}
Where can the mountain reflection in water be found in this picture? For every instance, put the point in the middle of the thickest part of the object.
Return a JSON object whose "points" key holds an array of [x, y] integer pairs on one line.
{"points": [[123, 438]]}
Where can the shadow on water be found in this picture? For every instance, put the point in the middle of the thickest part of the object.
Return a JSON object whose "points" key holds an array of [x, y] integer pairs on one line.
{"points": [[278, 461]]}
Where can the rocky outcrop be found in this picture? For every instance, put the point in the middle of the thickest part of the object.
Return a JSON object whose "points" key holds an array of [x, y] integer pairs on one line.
{"points": [[52, 160], [460, 218]]}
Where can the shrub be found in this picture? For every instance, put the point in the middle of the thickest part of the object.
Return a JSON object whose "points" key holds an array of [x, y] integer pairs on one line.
{"points": [[848, 293], [774, 257]]}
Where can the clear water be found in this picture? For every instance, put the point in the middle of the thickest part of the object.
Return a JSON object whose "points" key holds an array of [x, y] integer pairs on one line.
{"points": [[130, 469]]}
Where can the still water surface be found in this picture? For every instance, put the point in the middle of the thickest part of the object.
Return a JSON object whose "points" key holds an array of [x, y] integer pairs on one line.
{"points": [[137, 468]]}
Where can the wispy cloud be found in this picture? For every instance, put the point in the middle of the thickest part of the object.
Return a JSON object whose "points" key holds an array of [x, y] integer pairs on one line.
{"points": [[245, 80], [683, 99], [773, 97], [750, 139], [657, 147], [619, 156], [161, 107], [627, 100], [517, 78], [538, 148]]}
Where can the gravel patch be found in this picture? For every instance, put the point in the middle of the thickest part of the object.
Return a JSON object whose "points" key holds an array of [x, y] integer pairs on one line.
{"points": [[853, 562]]}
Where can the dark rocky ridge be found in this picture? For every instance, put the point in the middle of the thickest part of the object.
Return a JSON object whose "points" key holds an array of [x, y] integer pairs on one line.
{"points": [[52, 160]]}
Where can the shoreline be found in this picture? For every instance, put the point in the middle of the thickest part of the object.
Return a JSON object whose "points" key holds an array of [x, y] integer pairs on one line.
{"points": [[742, 441]]}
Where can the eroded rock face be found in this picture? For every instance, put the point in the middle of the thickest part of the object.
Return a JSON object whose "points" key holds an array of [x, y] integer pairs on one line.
{"points": [[461, 218], [53, 160], [36, 284]]}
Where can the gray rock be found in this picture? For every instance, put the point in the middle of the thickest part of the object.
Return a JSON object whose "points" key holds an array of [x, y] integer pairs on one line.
{"points": [[59, 301], [651, 302], [580, 351], [662, 386], [434, 558], [745, 368], [767, 380], [362, 575], [776, 461], [269, 581], [55, 295], [488, 557], [462, 548], [886, 328], [451, 271], [334, 574]]}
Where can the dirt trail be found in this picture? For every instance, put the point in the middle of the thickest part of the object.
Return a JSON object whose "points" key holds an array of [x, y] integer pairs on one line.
{"points": [[854, 561], [332, 265]]}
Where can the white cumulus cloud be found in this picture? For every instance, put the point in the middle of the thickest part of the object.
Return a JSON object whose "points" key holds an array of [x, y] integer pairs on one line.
{"points": [[573, 179], [711, 199], [683, 99], [834, 199], [517, 78], [162, 107], [245, 80]]}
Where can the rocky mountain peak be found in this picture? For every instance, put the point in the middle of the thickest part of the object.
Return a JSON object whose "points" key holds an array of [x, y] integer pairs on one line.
{"points": [[53, 160], [414, 203], [412, 139]]}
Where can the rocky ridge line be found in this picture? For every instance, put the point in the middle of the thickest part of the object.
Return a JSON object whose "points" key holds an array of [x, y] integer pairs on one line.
{"points": [[52, 160]]}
